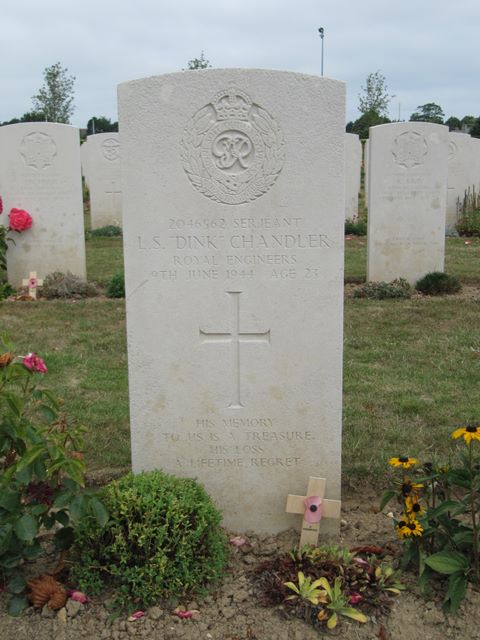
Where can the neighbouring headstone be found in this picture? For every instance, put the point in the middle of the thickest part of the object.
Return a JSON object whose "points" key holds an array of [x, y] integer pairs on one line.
{"points": [[407, 200], [475, 142], [366, 173], [84, 160], [353, 163], [102, 163], [40, 173], [461, 174], [233, 185]]}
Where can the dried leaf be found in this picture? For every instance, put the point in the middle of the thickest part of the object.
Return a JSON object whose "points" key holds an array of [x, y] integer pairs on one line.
{"points": [[46, 590]]}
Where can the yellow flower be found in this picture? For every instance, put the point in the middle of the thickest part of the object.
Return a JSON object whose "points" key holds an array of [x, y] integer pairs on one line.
{"points": [[413, 507], [408, 528], [403, 461], [469, 433], [411, 489]]}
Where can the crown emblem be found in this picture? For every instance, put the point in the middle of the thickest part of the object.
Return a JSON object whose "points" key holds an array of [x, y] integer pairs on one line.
{"points": [[232, 104]]}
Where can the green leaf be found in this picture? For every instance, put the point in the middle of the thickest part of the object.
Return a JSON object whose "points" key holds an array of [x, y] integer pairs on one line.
{"points": [[5, 537], [77, 508], [10, 500], [62, 500], [350, 612], [64, 538], [26, 528], [62, 518], [464, 538], [10, 560], [16, 605], [457, 587], [31, 455], [16, 585], [39, 509], [48, 412], [387, 496], [101, 514], [33, 551], [447, 562], [449, 505]]}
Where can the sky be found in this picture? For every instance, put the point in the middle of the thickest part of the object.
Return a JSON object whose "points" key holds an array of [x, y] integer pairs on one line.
{"points": [[428, 51]]}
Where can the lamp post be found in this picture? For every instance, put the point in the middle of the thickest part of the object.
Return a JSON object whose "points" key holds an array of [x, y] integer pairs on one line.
{"points": [[321, 31]]}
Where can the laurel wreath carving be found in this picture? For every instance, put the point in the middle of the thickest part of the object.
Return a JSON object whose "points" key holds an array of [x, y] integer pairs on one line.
{"points": [[190, 154]]}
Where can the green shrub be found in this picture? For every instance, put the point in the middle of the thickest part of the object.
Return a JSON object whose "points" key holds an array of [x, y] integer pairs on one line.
{"points": [[469, 224], [438, 283], [116, 286], [163, 539], [66, 285], [6, 290], [356, 228], [399, 288], [110, 231]]}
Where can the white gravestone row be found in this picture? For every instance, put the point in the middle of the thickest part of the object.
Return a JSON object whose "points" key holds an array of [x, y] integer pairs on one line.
{"points": [[407, 200], [462, 169], [233, 184], [40, 173], [353, 163], [102, 169]]}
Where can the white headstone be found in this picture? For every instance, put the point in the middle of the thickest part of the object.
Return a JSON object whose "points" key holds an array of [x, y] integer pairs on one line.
{"points": [[40, 173], [233, 185], [366, 147], [407, 200], [84, 160], [353, 163], [104, 180], [461, 174]]}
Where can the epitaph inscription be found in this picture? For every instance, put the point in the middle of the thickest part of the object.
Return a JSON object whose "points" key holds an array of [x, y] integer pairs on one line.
{"points": [[232, 149]]}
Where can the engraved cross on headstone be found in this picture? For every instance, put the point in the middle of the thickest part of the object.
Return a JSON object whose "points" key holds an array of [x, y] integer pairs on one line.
{"points": [[32, 282], [300, 505], [235, 337]]}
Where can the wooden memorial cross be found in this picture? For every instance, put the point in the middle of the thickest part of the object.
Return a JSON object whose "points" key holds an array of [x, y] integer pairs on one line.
{"points": [[32, 282], [313, 507]]}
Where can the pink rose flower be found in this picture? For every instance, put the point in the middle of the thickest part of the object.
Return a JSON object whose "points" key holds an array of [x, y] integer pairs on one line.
{"points": [[34, 363], [78, 596], [1, 205], [20, 220]]}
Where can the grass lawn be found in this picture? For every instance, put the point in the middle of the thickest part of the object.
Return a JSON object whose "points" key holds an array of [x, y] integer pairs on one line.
{"points": [[411, 368], [462, 260]]}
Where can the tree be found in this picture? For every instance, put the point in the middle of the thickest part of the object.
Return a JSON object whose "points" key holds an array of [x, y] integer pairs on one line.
{"points": [[199, 63], [475, 130], [429, 112], [376, 97], [363, 124], [453, 124], [55, 98], [102, 125], [468, 122], [30, 116]]}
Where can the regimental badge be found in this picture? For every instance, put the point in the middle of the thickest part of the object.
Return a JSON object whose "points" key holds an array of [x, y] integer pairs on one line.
{"points": [[38, 150], [111, 149], [409, 149], [232, 150]]}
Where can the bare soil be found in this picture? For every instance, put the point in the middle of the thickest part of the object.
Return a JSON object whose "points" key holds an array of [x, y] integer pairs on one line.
{"points": [[232, 612]]}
